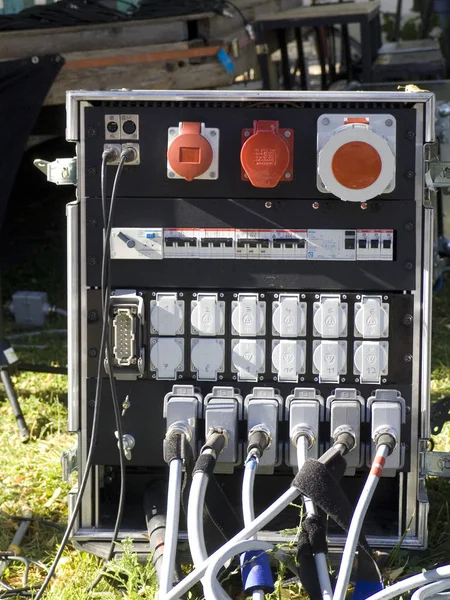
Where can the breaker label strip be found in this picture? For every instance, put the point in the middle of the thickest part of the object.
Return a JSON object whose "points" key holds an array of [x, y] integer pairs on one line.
{"points": [[255, 244]]}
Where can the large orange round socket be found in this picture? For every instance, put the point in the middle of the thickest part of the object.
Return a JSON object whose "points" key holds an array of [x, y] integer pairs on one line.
{"points": [[265, 157], [356, 165], [190, 154]]}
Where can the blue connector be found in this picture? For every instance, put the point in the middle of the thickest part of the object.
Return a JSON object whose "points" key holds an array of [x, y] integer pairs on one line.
{"points": [[256, 573], [364, 589]]}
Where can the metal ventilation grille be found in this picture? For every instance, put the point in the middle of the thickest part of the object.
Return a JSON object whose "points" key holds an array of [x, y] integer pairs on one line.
{"points": [[255, 104]]}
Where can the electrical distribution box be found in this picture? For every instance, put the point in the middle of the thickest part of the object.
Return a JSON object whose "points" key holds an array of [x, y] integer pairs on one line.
{"points": [[263, 244]]}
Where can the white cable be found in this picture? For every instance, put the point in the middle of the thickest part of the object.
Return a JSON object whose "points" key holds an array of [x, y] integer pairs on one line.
{"points": [[431, 590], [195, 518], [411, 583], [261, 521], [172, 524], [320, 559], [351, 543], [248, 503], [211, 587]]}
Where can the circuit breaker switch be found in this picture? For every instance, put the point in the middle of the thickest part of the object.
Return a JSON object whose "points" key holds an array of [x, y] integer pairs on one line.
{"points": [[190, 153], [371, 361], [330, 317], [371, 318], [248, 358], [248, 315], [289, 316], [267, 154], [330, 360], [288, 359], [208, 315], [167, 315]]}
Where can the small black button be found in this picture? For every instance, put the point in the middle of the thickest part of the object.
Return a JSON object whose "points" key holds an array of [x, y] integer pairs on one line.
{"points": [[129, 127]]}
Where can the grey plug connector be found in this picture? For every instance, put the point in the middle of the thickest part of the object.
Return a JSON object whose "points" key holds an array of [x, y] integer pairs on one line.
{"points": [[112, 152], [264, 409], [223, 411], [386, 411], [304, 411], [182, 409], [346, 411]]}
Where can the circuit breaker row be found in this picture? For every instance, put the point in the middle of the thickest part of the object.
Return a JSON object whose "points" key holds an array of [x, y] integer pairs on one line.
{"points": [[305, 411]]}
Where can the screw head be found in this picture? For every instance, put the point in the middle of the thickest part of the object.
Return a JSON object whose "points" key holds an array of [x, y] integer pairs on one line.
{"points": [[91, 403], [410, 135], [221, 295], [384, 380], [287, 134], [35, 60], [268, 204], [91, 132], [92, 352], [261, 378], [92, 315], [172, 131], [408, 265], [325, 121], [407, 320], [212, 174], [246, 133], [275, 295], [245, 176], [92, 260], [409, 226], [363, 205], [287, 175], [171, 174], [409, 174], [315, 205], [92, 222], [91, 171], [407, 358], [389, 122], [212, 133], [180, 376]]}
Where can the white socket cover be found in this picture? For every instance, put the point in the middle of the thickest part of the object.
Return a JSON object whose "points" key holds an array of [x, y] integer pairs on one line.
{"points": [[330, 360], [288, 358], [248, 358], [208, 315], [357, 132], [289, 316], [166, 357], [371, 361], [330, 317], [207, 357], [248, 315], [371, 318], [167, 314]]}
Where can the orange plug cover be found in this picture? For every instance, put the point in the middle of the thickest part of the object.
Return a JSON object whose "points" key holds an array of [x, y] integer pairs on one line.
{"points": [[190, 154], [267, 154], [356, 165]]}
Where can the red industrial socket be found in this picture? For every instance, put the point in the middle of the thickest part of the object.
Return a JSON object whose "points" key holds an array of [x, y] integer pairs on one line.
{"points": [[267, 154], [190, 154]]}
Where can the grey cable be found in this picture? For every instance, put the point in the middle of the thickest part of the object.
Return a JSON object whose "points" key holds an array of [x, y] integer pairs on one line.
{"points": [[211, 586], [263, 519], [195, 518], [320, 559], [248, 503], [431, 590], [172, 524], [356, 524], [411, 583]]}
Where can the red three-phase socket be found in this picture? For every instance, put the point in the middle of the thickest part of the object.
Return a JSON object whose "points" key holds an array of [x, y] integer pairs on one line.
{"points": [[190, 154]]}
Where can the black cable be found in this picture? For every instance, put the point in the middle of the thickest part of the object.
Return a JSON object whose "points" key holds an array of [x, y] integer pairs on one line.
{"points": [[95, 423], [33, 519], [106, 285]]}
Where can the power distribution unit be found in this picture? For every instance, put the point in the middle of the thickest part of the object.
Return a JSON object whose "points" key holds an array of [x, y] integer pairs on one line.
{"points": [[271, 245]]}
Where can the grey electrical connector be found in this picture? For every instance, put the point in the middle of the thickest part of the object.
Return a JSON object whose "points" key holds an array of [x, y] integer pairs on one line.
{"points": [[346, 410], [263, 409], [223, 411], [182, 409], [32, 308], [304, 411], [386, 410]]}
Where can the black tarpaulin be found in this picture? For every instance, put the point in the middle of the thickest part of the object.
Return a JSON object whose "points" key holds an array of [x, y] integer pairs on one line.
{"points": [[24, 84]]}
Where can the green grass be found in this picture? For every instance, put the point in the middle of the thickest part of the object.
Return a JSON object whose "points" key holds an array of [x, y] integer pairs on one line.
{"points": [[31, 476]]}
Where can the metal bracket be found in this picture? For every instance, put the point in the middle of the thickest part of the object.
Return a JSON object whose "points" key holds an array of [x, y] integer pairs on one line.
{"points": [[69, 463], [436, 464], [437, 172], [61, 171]]}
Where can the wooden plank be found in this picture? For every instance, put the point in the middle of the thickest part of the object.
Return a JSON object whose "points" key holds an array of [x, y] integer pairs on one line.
{"points": [[17, 44], [116, 58], [324, 10]]}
